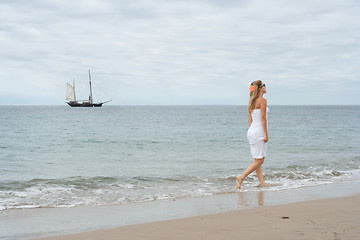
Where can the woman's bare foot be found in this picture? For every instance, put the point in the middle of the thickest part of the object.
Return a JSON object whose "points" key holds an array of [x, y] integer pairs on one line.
{"points": [[264, 185], [239, 180]]}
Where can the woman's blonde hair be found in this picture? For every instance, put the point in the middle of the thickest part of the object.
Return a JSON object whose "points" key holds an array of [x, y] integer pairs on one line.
{"points": [[254, 95]]}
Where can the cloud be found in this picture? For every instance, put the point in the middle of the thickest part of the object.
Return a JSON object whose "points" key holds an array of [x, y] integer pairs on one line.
{"points": [[179, 52]]}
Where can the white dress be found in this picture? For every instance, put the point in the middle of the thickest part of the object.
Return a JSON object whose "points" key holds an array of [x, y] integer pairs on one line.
{"points": [[256, 135]]}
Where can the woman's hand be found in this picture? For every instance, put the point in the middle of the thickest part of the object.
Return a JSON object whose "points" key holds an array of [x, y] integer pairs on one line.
{"points": [[266, 138]]}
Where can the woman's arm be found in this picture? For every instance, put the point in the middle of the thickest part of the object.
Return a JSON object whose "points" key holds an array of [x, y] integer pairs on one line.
{"points": [[263, 105], [249, 119]]}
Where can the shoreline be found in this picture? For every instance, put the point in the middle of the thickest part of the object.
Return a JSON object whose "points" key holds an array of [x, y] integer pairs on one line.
{"points": [[316, 219], [18, 224], [46, 222]]}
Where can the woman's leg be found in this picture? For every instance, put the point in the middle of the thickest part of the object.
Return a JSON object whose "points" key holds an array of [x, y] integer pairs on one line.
{"points": [[261, 177], [252, 167]]}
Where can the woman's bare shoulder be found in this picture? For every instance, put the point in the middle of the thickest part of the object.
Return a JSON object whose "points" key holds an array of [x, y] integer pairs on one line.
{"points": [[262, 100], [262, 103]]}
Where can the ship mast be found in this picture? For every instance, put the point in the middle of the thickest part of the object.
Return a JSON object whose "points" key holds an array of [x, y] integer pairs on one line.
{"points": [[90, 97], [74, 90]]}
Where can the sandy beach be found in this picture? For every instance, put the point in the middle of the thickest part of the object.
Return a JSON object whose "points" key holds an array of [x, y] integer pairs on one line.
{"points": [[337, 218]]}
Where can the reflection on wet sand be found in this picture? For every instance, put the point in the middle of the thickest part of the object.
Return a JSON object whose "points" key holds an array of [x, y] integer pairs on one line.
{"points": [[246, 200]]}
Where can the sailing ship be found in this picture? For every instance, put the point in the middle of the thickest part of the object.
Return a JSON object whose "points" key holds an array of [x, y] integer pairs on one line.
{"points": [[73, 102]]}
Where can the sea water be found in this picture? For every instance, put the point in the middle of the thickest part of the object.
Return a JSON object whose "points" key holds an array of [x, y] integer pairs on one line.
{"points": [[57, 156]]}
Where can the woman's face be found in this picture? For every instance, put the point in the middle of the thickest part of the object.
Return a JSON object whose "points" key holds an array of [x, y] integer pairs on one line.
{"points": [[262, 88]]}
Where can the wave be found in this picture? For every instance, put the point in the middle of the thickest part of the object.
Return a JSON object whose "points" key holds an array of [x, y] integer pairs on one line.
{"points": [[103, 190]]}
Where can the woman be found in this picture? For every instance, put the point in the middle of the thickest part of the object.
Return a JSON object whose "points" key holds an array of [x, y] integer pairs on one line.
{"points": [[257, 134]]}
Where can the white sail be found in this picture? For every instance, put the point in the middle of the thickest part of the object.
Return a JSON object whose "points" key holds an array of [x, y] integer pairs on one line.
{"points": [[70, 93]]}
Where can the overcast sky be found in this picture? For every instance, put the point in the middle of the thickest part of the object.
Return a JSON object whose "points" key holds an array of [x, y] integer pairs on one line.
{"points": [[180, 52]]}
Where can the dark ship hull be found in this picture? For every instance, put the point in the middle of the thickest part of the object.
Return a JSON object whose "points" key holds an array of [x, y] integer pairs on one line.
{"points": [[84, 104]]}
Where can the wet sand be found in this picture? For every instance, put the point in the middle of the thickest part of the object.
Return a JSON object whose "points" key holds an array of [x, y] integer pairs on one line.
{"points": [[337, 218]]}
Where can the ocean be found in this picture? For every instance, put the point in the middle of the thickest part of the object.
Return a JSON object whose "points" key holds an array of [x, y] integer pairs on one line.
{"points": [[61, 157]]}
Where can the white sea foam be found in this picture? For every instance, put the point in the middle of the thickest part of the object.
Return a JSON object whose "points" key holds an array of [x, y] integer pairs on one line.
{"points": [[112, 192]]}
